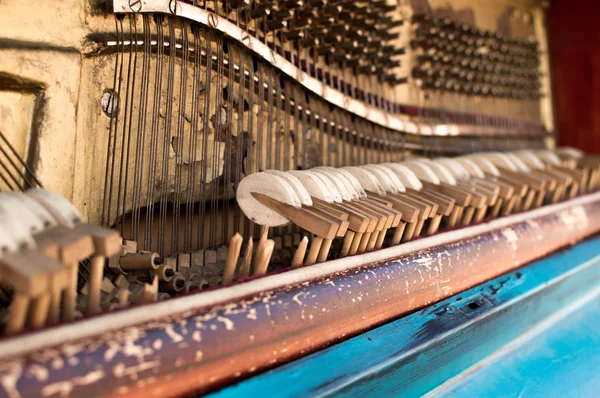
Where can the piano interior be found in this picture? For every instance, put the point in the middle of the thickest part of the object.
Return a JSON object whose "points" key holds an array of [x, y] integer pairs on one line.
{"points": [[194, 192]]}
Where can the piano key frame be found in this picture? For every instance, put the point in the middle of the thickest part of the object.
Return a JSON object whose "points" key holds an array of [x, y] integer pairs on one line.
{"points": [[200, 342]]}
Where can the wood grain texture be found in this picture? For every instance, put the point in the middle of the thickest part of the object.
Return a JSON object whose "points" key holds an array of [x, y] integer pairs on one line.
{"points": [[206, 348], [439, 350]]}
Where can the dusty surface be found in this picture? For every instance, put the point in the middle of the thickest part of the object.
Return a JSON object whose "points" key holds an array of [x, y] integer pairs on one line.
{"points": [[204, 348]]}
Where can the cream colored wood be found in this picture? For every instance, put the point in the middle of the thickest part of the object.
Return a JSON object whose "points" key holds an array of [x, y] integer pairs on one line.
{"points": [[90, 327], [271, 185], [441, 171], [233, 254], [35, 208], [471, 166], [570, 152], [521, 165], [548, 157], [406, 176], [337, 183], [485, 164], [457, 169], [295, 183], [244, 271], [300, 252], [354, 181], [355, 193], [500, 160], [315, 186], [395, 179], [8, 243], [383, 178], [422, 171], [367, 180], [530, 159], [20, 223], [332, 188], [391, 176], [63, 211]]}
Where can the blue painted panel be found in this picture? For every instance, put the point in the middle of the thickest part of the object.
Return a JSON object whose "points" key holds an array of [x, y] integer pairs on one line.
{"points": [[560, 361], [415, 354]]}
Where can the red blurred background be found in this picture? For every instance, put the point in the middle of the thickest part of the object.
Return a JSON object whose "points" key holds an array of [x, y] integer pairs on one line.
{"points": [[574, 33]]}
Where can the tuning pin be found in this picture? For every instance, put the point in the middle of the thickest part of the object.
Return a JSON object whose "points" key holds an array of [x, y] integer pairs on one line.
{"points": [[306, 13], [332, 9], [340, 28], [317, 32], [324, 20], [332, 39], [282, 14], [276, 24], [325, 51], [293, 4], [349, 44], [234, 4], [366, 69], [309, 42], [292, 35], [261, 11], [345, 57]]}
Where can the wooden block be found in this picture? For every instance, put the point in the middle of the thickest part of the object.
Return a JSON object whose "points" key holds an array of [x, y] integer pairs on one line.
{"points": [[183, 261], [107, 286], [132, 244], [359, 221], [304, 218], [85, 290], [221, 254], [210, 257], [140, 261], [233, 253], [197, 259], [107, 242], [278, 242], [26, 272], [121, 281]]}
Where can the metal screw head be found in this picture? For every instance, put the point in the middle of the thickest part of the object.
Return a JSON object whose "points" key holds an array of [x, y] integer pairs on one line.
{"points": [[110, 103], [135, 5], [213, 21], [173, 6], [246, 39]]}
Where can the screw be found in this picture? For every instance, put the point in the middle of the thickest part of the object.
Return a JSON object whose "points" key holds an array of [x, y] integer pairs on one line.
{"points": [[246, 39], [135, 5], [110, 103], [173, 6], [213, 21]]}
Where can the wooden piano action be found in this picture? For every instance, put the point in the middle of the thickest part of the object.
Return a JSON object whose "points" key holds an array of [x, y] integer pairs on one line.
{"points": [[193, 193]]}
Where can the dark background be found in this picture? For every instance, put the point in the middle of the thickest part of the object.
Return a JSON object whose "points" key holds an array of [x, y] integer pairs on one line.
{"points": [[574, 34]]}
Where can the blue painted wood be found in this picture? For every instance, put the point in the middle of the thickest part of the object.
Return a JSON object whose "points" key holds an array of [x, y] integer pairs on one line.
{"points": [[561, 361], [415, 354]]}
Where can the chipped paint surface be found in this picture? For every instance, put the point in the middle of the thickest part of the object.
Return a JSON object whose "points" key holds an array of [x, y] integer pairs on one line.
{"points": [[206, 348]]}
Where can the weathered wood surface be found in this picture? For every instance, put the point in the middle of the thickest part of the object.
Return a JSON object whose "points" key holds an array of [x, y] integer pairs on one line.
{"points": [[205, 348], [493, 339]]}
